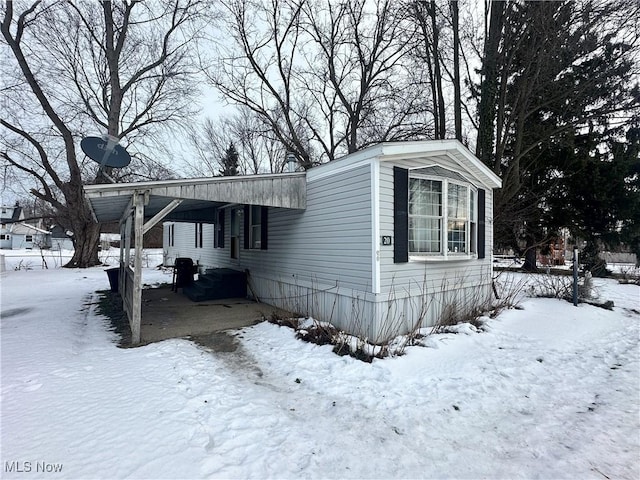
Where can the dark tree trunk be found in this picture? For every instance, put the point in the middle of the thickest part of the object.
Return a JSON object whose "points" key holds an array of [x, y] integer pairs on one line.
{"points": [[441, 130], [78, 218], [457, 104], [530, 252], [85, 242], [590, 259], [489, 86]]}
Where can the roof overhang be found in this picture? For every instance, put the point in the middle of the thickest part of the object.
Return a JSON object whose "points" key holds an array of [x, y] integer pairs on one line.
{"points": [[199, 196], [451, 148], [429, 150]]}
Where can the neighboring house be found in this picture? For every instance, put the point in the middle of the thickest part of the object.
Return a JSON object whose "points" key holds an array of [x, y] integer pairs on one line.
{"points": [[16, 234], [552, 253], [378, 242], [394, 236], [60, 239], [9, 216], [24, 235]]}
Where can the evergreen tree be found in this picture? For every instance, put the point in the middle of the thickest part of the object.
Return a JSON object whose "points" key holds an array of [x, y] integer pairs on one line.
{"points": [[230, 162], [599, 197], [561, 69]]}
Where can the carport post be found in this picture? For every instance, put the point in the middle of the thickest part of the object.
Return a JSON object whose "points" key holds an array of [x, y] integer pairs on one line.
{"points": [[139, 199], [123, 235]]}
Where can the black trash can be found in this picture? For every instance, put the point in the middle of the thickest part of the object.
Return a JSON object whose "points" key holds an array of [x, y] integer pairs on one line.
{"points": [[184, 272], [114, 276]]}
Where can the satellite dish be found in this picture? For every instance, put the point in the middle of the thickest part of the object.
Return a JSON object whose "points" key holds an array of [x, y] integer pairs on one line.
{"points": [[106, 152]]}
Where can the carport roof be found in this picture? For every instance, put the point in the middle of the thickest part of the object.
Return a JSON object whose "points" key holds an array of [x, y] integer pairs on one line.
{"points": [[110, 202]]}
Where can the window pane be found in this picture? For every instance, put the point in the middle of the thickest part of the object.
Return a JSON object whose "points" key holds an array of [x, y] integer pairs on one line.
{"points": [[255, 236], [255, 215], [456, 236], [254, 227], [424, 235], [457, 201], [425, 212], [472, 207], [474, 238], [425, 197]]}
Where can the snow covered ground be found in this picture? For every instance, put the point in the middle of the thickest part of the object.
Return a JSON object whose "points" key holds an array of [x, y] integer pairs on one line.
{"points": [[550, 391]]}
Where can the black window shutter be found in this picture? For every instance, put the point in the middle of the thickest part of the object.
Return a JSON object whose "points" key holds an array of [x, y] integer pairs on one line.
{"points": [[481, 223], [220, 229], [264, 222], [247, 212], [400, 215], [216, 225]]}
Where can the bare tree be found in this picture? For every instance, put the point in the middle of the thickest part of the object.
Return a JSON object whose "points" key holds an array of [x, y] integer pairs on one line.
{"points": [[257, 70], [326, 78], [427, 18], [259, 150], [457, 101], [445, 52], [357, 75], [118, 68], [489, 86]]}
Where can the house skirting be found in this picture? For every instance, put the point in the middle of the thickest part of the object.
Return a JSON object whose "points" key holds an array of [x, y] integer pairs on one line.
{"points": [[375, 317]]}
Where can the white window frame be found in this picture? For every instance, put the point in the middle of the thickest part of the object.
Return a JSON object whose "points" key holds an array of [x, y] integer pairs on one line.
{"points": [[471, 222]]}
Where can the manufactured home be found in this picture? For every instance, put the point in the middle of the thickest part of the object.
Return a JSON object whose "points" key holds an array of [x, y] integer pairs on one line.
{"points": [[392, 237]]}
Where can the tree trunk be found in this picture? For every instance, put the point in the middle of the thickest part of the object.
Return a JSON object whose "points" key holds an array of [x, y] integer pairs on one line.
{"points": [[85, 242], [457, 104], [530, 252], [489, 86], [590, 259], [86, 231], [441, 130]]}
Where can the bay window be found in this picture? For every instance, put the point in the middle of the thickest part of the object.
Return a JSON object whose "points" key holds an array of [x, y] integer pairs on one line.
{"points": [[441, 217]]}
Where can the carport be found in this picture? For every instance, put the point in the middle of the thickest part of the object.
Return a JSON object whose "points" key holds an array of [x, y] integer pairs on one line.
{"points": [[140, 206]]}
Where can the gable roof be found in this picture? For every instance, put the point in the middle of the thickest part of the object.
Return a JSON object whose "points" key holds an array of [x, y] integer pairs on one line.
{"points": [[452, 149], [17, 214]]}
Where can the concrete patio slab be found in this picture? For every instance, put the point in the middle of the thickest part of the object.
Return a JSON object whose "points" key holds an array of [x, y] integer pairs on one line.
{"points": [[167, 314]]}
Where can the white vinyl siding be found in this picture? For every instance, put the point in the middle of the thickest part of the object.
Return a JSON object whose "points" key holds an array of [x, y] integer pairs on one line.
{"points": [[403, 279], [327, 244], [184, 239]]}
